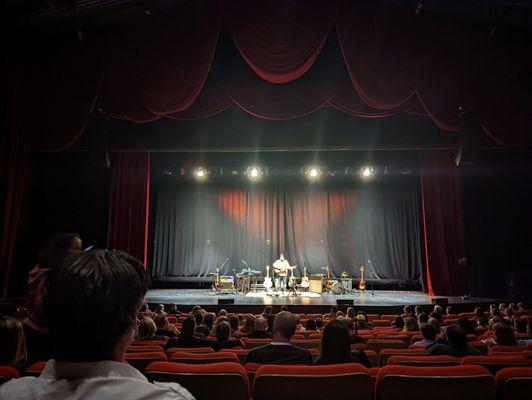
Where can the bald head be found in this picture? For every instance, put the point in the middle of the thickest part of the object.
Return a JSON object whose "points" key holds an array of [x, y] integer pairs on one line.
{"points": [[284, 326]]}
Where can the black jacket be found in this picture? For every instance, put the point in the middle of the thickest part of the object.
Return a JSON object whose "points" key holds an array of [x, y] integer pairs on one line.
{"points": [[280, 354]]}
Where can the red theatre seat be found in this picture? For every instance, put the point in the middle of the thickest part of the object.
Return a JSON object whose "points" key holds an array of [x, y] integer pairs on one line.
{"points": [[514, 383], [379, 344], [203, 358], [254, 343], [144, 349], [507, 349], [462, 382], [7, 373], [288, 382], [35, 369], [202, 350], [141, 360], [495, 363], [221, 381], [385, 354], [242, 354], [424, 361]]}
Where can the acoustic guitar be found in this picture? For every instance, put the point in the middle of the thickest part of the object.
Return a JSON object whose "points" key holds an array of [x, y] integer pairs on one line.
{"points": [[304, 281], [328, 283], [362, 283], [267, 281]]}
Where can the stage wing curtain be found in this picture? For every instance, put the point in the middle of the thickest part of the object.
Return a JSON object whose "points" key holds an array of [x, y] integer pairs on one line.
{"points": [[129, 203], [442, 223], [198, 226]]}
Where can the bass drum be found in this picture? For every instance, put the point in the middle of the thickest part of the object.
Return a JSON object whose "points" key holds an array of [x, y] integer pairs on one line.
{"points": [[337, 288]]}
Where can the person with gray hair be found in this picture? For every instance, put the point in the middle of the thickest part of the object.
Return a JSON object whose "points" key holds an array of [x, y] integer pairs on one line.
{"points": [[280, 351], [261, 327]]}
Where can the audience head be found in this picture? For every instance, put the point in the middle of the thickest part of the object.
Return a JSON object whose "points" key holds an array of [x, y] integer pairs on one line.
{"points": [[267, 310], [261, 324], [161, 321], [456, 336], [195, 308], [438, 309], [348, 322], [101, 292], [335, 343], [334, 310], [12, 343], [234, 323], [310, 325], [436, 315], [448, 310], [172, 307], [159, 309], [422, 318], [270, 319], [418, 310], [222, 313], [398, 322], [284, 308], [436, 324], [407, 310], [209, 320], [144, 307], [57, 248], [520, 306], [502, 307], [284, 326], [249, 325], [340, 314], [350, 313], [319, 323], [411, 324], [467, 325], [479, 313], [223, 331], [504, 336], [147, 328], [198, 316], [428, 332], [188, 327]]}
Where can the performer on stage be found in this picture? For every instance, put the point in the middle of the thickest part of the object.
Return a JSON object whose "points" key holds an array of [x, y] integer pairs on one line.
{"points": [[281, 267]]}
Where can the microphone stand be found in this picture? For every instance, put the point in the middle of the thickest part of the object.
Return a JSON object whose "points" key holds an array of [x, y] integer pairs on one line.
{"points": [[372, 278]]}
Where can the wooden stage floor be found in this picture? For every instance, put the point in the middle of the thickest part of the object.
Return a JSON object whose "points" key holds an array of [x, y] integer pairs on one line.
{"points": [[364, 300]]}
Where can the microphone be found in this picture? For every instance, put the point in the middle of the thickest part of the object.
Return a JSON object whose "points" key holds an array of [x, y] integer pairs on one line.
{"points": [[369, 261], [245, 262]]}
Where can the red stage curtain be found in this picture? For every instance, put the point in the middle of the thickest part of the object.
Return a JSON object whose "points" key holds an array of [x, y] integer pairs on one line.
{"points": [[129, 204], [280, 40], [442, 223], [159, 66]]}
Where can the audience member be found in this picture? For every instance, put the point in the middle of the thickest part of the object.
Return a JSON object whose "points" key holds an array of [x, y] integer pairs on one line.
{"points": [[332, 314], [188, 337], [422, 318], [12, 343], [457, 345], [436, 315], [319, 324], [310, 325], [525, 342], [418, 310], [438, 309], [479, 313], [429, 336], [340, 314], [350, 313], [195, 308], [336, 346], [147, 329], [224, 339], [222, 313], [159, 309], [361, 321], [234, 323], [208, 320], [267, 311], [284, 308], [467, 324], [270, 319], [504, 336], [249, 325], [280, 351], [411, 325], [172, 310], [353, 334], [398, 323], [96, 295], [201, 329], [260, 332], [164, 327], [436, 324], [408, 311], [449, 311]]}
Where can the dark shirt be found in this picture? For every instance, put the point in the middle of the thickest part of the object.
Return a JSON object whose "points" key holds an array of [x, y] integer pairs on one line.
{"points": [[356, 357], [165, 332], [280, 354], [174, 312], [188, 342], [38, 345], [203, 330], [356, 339], [227, 344], [447, 350], [259, 335]]}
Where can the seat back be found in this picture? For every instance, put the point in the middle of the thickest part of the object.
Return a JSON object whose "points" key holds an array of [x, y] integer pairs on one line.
{"points": [[242, 354], [35, 369], [203, 358], [144, 349], [507, 349], [222, 381], [462, 382], [514, 383], [201, 350], [526, 353], [289, 382], [387, 336], [378, 344], [385, 354], [7, 373], [254, 343], [141, 360], [495, 363], [307, 344], [424, 361], [385, 323], [149, 342]]}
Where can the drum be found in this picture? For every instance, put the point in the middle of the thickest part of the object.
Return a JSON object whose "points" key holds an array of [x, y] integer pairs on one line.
{"points": [[347, 283], [337, 288]]}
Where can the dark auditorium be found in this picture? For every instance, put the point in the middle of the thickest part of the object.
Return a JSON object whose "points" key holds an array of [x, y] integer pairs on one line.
{"points": [[266, 200]]}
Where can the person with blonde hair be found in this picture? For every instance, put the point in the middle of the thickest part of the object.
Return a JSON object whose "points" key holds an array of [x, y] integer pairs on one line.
{"points": [[12, 343], [147, 329]]}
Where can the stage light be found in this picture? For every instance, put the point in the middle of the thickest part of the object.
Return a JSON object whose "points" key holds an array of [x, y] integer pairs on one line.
{"points": [[313, 173], [367, 172], [200, 173], [254, 173]]}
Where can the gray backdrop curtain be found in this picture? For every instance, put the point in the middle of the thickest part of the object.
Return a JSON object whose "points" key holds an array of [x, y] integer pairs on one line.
{"points": [[198, 225]]}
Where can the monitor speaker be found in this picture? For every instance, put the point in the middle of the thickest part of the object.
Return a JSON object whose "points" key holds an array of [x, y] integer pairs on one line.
{"points": [[345, 302], [442, 301], [225, 301]]}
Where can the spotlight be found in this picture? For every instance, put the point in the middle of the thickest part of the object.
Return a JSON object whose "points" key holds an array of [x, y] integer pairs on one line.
{"points": [[254, 173], [313, 173], [367, 172], [200, 173]]}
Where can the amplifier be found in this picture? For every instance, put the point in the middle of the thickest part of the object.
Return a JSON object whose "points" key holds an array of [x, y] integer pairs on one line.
{"points": [[316, 283]]}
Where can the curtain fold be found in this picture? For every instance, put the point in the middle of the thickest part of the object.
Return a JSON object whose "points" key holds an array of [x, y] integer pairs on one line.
{"points": [[130, 203], [442, 224]]}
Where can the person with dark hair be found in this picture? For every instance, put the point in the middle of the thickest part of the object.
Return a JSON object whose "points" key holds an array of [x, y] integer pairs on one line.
{"points": [[436, 315], [429, 333], [353, 335], [332, 314], [411, 325], [12, 343], [422, 318], [208, 320], [222, 313], [467, 324], [418, 310], [408, 311], [172, 310], [457, 344], [195, 308], [479, 313], [280, 351], [267, 311], [201, 328], [260, 332], [270, 319], [336, 346], [504, 336], [188, 337], [310, 325], [284, 307], [249, 325], [398, 323], [224, 339], [449, 311], [164, 328], [234, 323], [319, 324], [91, 305]]}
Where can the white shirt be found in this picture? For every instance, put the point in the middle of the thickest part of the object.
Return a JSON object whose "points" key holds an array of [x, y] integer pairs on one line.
{"points": [[92, 380]]}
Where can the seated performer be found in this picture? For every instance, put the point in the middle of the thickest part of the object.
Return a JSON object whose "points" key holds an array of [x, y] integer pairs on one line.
{"points": [[281, 267]]}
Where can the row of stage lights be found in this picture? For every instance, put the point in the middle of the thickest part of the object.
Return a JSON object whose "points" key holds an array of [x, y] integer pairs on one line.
{"points": [[312, 173]]}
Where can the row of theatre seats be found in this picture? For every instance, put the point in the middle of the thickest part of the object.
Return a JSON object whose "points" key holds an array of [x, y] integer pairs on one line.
{"points": [[506, 373]]}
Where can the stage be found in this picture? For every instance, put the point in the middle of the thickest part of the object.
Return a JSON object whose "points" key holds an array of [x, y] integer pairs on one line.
{"points": [[379, 301]]}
